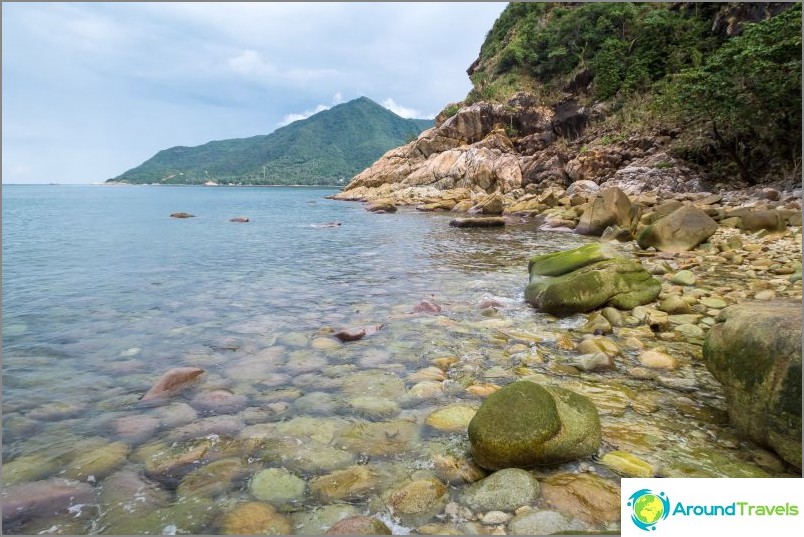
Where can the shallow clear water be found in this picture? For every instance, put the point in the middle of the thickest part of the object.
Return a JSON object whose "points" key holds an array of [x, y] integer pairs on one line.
{"points": [[103, 292]]}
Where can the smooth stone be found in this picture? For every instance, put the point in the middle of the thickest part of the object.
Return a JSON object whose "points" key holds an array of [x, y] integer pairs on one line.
{"points": [[192, 515], [380, 438], [690, 331], [277, 486], [255, 518], [767, 294], [504, 490], [715, 303], [543, 523], [219, 402], [97, 463], [348, 485], [656, 359], [596, 345], [627, 464], [317, 403], [31, 467], [317, 520], [219, 425], [310, 457], [56, 411], [175, 415], [172, 382], [428, 373], [373, 383], [212, 479], [612, 315], [359, 525], [674, 305], [585, 496], [126, 494], [596, 324], [593, 362], [426, 390], [457, 470], [492, 518], [452, 418], [136, 428], [418, 501], [684, 277], [38, 498], [376, 408], [324, 344]]}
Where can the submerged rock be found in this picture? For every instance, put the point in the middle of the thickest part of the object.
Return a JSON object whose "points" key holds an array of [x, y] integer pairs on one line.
{"points": [[359, 525], [277, 486], [255, 518], [526, 424], [172, 382], [586, 278], [182, 215], [754, 350], [39, 498], [504, 490], [490, 221]]}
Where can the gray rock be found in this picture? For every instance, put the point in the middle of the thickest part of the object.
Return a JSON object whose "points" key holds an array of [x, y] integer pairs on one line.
{"points": [[504, 490]]}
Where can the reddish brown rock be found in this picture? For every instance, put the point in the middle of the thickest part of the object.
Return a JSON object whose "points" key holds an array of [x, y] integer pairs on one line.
{"points": [[426, 306], [241, 219], [359, 525], [43, 498], [172, 382]]}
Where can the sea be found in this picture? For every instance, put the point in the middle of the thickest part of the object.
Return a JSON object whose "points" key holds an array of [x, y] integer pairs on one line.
{"points": [[103, 292]]}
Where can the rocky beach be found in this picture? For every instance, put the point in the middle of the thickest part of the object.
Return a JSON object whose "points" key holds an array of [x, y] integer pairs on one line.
{"points": [[500, 320]]}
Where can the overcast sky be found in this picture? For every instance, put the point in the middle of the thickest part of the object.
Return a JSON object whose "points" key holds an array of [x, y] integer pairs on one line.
{"points": [[92, 90]]}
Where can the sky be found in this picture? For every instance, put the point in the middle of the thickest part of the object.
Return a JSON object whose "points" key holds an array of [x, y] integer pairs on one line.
{"points": [[90, 90]]}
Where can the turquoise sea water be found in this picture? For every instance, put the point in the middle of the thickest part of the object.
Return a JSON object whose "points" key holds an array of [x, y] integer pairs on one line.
{"points": [[103, 292]]}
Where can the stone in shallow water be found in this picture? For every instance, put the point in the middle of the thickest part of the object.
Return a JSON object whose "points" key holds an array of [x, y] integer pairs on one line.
{"points": [[452, 418], [626, 464], [28, 500], [373, 383], [348, 485], [172, 382], [381, 438], [543, 523], [255, 518], [418, 501], [219, 402], [359, 525], [657, 359], [587, 497], [175, 415], [504, 490], [55, 411], [457, 470], [317, 520], [213, 479], [29, 468], [99, 462], [525, 424], [221, 425], [377, 408], [136, 428], [684, 277], [311, 457], [277, 486], [317, 403]]}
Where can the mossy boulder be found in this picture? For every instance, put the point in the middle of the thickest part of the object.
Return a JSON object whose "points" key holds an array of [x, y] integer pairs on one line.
{"points": [[754, 350], [504, 490], [525, 424], [587, 278]]}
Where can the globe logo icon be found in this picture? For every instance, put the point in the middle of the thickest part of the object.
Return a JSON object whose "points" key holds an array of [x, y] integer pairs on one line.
{"points": [[648, 508]]}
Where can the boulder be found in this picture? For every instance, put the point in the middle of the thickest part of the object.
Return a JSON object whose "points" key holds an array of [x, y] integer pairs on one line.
{"points": [[525, 424], [492, 204], [611, 208], [381, 206], [752, 219], [680, 231], [182, 215], [587, 278], [754, 350]]}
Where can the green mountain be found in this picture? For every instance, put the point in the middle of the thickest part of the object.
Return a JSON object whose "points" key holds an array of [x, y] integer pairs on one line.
{"points": [[327, 148]]}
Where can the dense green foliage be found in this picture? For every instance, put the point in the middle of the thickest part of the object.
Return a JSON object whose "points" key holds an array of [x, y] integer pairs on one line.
{"points": [[627, 46], [749, 94], [328, 148], [735, 100]]}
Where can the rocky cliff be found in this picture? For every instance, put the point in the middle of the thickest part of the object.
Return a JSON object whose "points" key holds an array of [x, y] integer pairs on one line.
{"points": [[522, 152]]}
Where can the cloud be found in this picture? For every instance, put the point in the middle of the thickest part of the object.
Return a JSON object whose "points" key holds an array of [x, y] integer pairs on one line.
{"points": [[250, 64], [403, 111], [290, 118]]}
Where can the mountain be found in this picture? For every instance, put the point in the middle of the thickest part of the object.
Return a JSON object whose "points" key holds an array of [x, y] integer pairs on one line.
{"points": [[325, 149]]}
